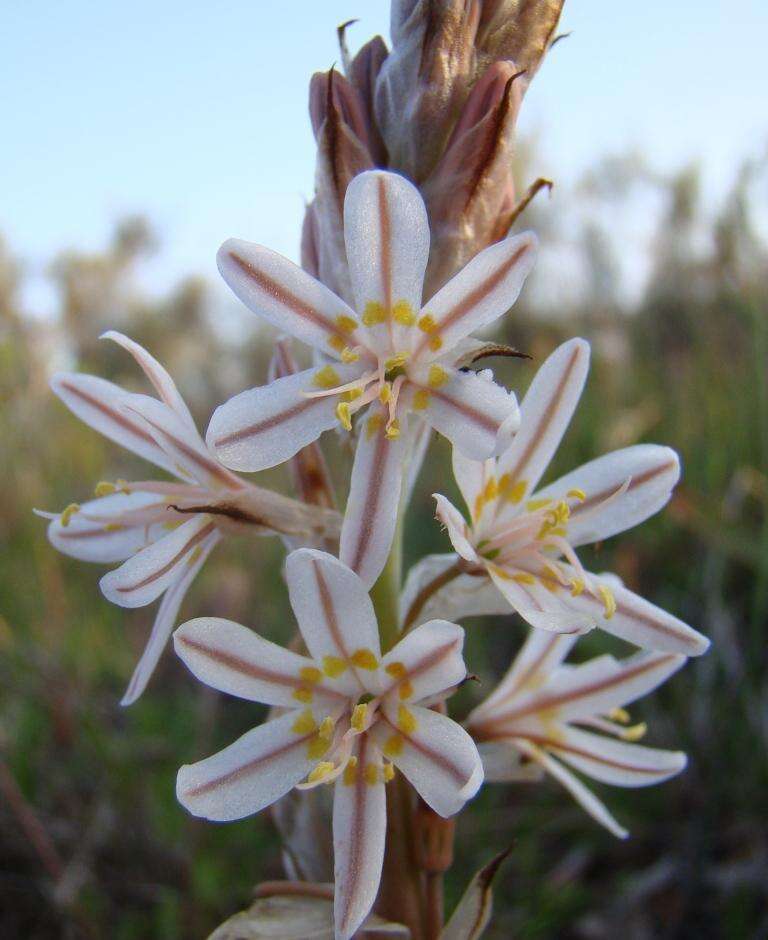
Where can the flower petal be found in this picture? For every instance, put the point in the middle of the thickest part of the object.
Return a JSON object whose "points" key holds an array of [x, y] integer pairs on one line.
{"points": [[265, 426], [479, 294], [256, 770], [157, 375], [427, 660], [181, 442], [335, 616], [545, 414], [164, 622], [476, 414], [287, 297], [99, 404], [586, 799], [374, 497], [96, 534], [465, 596], [502, 763], [435, 753], [359, 833], [472, 477], [235, 660], [652, 472], [638, 621], [144, 577], [387, 238], [616, 762], [456, 526], [538, 606]]}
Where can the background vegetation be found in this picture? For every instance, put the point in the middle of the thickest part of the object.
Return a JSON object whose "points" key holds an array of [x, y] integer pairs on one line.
{"points": [[92, 842]]}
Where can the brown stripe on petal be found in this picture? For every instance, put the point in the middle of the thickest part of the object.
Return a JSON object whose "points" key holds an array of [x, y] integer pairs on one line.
{"points": [[369, 512], [249, 768], [467, 411], [191, 542], [329, 611], [427, 662], [116, 416], [385, 246], [355, 847], [267, 424], [438, 759], [625, 610], [527, 674], [636, 481], [558, 746], [467, 303], [546, 419]]}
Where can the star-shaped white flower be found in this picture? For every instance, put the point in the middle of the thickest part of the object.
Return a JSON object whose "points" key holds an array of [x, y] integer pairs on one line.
{"points": [[351, 716], [541, 707], [392, 357], [162, 531], [524, 539]]}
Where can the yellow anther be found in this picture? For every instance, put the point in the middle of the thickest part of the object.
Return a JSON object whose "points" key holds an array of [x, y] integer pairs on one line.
{"points": [[508, 490], [359, 717], [403, 313], [396, 362], [350, 771], [66, 516], [310, 674], [388, 772], [406, 720], [104, 489], [635, 733], [305, 723], [621, 715], [365, 659], [609, 601], [316, 747], [326, 378], [116, 527], [393, 429], [342, 413], [336, 342], [558, 530], [550, 584], [320, 771], [349, 355], [420, 399], [385, 393], [374, 313], [533, 505], [371, 774], [427, 323], [397, 670], [373, 426], [491, 489], [406, 689], [393, 745], [524, 577], [351, 394], [346, 323], [326, 728], [577, 587], [437, 376], [333, 666], [576, 493], [435, 343], [302, 694]]}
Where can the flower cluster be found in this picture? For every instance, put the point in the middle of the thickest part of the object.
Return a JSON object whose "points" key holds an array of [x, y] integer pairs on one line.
{"points": [[358, 705]]}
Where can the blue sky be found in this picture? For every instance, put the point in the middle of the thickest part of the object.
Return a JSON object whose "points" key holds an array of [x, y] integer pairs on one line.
{"points": [[195, 113]]}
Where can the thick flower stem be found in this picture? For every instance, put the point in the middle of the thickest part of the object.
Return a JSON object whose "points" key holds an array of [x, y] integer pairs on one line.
{"points": [[385, 593]]}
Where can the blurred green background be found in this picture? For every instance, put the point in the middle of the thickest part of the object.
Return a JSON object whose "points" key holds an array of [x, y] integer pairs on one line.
{"points": [[92, 842]]}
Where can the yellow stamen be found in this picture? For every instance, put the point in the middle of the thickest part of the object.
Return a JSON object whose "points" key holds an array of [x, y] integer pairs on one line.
{"points": [[67, 514], [533, 505], [420, 399], [359, 717], [635, 733], [385, 393], [342, 413], [609, 601], [403, 313], [576, 493], [513, 492], [393, 745], [320, 771], [435, 343], [373, 425], [349, 355], [406, 689], [397, 670], [621, 715], [316, 747], [427, 323], [437, 376], [393, 429], [304, 724], [310, 674], [333, 666], [374, 313], [396, 362], [365, 659], [350, 771], [577, 586], [104, 489], [388, 772], [326, 378], [326, 728], [336, 343], [406, 720], [371, 774], [346, 323], [116, 527], [302, 694], [524, 577], [351, 394]]}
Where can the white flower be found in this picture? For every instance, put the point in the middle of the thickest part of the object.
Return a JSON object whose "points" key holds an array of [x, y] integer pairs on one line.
{"points": [[350, 715], [536, 710], [523, 539], [392, 357], [162, 531]]}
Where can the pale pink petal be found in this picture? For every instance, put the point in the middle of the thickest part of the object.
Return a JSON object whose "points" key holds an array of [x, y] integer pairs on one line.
{"points": [[265, 426], [165, 621], [456, 527], [638, 621], [435, 753], [157, 375], [651, 471], [359, 834], [143, 578], [426, 661], [287, 297], [335, 616], [100, 405], [181, 442], [96, 533], [387, 238], [503, 763], [465, 596], [538, 606], [616, 762], [235, 660], [256, 770], [374, 497], [587, 800], [472, 477], [477, 415], [545, 414], [479, 294]]}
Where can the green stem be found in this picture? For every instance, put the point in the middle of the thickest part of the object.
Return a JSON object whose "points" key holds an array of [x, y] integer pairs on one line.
{"points": [[385, 593]]}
